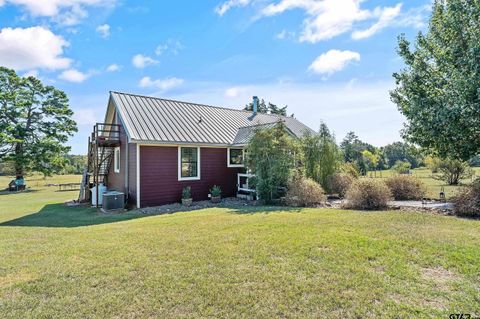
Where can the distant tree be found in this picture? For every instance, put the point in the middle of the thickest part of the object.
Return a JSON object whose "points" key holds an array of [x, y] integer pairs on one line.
{"points": [[370, 159], [321, 156], [438, 89], [432, 163], [75, 164], [267, 108], [348, 146], [7, 168], [352, 148], [402, 167], [399, 151], [474, 161], [35, 124]]}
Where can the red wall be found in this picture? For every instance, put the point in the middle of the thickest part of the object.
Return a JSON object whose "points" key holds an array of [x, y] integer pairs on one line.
{"points": [[159, 182]]}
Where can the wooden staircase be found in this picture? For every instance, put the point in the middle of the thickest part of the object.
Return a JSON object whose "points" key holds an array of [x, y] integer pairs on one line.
{"points": [[101, 148]]}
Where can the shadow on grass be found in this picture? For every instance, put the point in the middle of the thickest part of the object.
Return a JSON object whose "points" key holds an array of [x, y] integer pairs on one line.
{"points": [[59, 215], [250, 210], [7, 192]]}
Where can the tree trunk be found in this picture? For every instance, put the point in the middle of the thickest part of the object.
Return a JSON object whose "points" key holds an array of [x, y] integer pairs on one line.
{"points": [[19, 168]]}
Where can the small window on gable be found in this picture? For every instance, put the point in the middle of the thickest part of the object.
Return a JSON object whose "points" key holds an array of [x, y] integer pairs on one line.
{"points": [[188, 163], [235, 157], [116, 160]]}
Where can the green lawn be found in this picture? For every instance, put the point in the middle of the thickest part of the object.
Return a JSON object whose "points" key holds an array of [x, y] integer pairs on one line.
{"points": [[58, 262], [433, 185]]}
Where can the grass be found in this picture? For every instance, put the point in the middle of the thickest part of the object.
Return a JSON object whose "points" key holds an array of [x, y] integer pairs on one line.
{"points": [[261, 262], [434, 186]]}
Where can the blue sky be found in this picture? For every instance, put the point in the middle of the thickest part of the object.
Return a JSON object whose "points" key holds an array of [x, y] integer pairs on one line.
{"points": [[329, 60]]}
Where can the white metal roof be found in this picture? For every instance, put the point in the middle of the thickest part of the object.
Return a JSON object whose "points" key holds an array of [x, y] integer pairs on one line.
{"points": [[155, 120]]}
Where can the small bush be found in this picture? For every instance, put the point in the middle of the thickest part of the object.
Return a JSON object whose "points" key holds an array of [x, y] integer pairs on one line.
{"points": [[404, 187], [368, 194], [452, 171], [187, 192], [350, 169], [402, 167], [467, 202], [304, 191], [339, 183], [216, 191]]}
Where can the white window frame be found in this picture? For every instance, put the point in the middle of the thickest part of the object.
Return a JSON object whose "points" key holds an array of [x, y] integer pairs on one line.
{"points": [[228, 157], [116, 160], [180, 178]]}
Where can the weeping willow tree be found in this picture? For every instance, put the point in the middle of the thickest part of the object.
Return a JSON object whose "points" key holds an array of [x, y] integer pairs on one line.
{"points": [[321, 155], [272, 153]]}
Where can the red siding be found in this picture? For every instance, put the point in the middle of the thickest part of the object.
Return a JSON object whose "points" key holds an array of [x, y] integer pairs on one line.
{"points": [[159, 182], [116, 181], [132, 174]]}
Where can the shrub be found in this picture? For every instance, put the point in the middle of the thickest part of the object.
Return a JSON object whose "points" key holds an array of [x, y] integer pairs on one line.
{"points": [[405, 187], [187, 192], [339, 183], [271, 156], [368, 194], [216, 191], [402, 167], [321, 155], [350, 169], [467, 202], [452, 171], [304, 191]]}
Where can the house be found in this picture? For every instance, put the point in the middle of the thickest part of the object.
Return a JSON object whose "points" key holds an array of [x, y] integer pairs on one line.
{"points": [[150, 148]]}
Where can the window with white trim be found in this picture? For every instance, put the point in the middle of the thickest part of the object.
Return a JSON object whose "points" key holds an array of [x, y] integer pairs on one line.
{"points": [[188, 163], [116, 160], [235, 157]]}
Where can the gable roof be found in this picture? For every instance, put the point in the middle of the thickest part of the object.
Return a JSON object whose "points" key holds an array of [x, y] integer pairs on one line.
{"points": [[155, 120]]}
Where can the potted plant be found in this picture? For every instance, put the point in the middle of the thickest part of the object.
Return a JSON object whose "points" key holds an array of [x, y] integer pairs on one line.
{"points": [[216, 193], [187, 196]]}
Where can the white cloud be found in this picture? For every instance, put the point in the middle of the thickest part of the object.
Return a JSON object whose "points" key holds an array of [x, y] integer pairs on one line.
{"points": [[326, 19], [284, 34], [415, 17], [103, 30], [333, 61], [32, 48], [281, 35], [385, 18], [234, 91], [113, 68], [141, 61], [85, 116], [67, 12], [222, 8], [171, 45], [33, 73], [73, 75], [162, 84]]}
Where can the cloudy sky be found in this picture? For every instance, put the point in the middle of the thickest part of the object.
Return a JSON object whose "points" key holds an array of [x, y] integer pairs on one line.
{"points": [[329, 60]]}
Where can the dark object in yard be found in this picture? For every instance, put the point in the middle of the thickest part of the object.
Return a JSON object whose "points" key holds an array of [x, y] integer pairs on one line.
{"points": [[216, 194], [17, 184], [68, 186], [113, 201], [442, 195]]}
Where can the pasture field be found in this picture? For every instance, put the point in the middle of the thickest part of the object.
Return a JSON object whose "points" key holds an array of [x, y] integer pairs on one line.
{"points": [[433, 185]]}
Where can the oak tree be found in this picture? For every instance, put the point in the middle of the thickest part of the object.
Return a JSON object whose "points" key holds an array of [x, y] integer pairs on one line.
{"points": [[35, 123]]}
